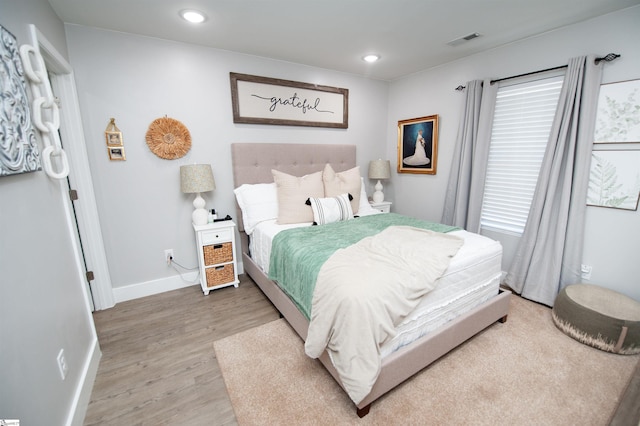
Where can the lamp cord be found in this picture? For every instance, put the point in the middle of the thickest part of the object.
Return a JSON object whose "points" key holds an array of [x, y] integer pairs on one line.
{"points": [[173, 265]]}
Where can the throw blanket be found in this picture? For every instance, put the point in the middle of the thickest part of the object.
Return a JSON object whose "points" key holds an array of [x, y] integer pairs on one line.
{"points": [[298, 254], [365, 290]]}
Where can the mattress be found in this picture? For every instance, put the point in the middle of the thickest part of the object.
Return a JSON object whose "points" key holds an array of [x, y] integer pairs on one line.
{"points": [[473, 277]]}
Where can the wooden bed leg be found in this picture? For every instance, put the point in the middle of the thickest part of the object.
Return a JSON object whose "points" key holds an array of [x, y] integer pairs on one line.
{"points": [[503, 319], [363, 411]]}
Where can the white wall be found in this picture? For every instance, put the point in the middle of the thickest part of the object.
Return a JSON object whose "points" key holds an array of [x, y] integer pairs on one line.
{"points": [[44, 308], [611, 241], [137, 79]]}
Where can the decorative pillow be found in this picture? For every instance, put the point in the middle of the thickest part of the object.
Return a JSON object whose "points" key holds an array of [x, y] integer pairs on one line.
{"points": [[348, 181], [293, 192], [258, 202], [332, 209]]}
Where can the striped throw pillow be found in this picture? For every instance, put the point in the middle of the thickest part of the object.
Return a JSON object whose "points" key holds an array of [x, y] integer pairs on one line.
{"points": [[331, 209]]}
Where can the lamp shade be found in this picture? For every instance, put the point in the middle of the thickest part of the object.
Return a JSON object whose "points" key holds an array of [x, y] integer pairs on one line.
{"points": [[195, 178], [379, 169]]}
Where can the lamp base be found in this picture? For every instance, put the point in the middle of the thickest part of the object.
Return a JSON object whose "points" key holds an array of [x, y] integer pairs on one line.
{"points": [[199, 215], [378, 196]]}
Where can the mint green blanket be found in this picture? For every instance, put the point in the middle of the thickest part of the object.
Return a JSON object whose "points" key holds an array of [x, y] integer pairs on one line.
{"points": [[298, 254]]}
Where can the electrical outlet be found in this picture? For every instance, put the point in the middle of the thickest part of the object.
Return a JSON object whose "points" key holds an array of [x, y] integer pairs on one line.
{"points": [[168, 256], [586, 271], [62, 364]]}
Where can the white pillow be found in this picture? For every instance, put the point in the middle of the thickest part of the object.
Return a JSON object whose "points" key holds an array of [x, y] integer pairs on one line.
{"points": [[349, 182], [331, 209], [258, 202], [293, 192]]}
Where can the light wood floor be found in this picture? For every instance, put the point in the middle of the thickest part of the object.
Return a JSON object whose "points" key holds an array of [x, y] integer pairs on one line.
{"points": [[158, 365]]}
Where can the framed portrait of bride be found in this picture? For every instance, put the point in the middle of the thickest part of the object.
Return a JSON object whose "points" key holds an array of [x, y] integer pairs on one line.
{"points": [[418, 145]]}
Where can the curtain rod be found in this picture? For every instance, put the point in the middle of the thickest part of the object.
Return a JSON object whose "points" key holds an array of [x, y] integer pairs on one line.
{"points": [[529, 73], [609, 57]]}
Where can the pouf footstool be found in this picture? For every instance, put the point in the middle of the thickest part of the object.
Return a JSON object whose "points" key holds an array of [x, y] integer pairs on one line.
{"points": [[599, 317]]}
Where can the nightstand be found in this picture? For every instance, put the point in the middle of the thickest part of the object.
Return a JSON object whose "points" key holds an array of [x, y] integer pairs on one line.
{"points": [[383, 206], [216, 243]]}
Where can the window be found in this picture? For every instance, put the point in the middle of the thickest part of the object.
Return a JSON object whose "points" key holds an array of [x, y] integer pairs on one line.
{"points": [[521, 125]]}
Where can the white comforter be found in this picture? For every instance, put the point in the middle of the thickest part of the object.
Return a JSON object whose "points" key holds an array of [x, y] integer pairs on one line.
{"points": [[365, 290]]}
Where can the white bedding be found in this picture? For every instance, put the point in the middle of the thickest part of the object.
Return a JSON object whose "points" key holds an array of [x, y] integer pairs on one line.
{"points": [[473, 277], [351, 319]]}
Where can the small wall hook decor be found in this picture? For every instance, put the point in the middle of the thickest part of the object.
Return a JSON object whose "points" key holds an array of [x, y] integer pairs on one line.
{"points": [[115, 142]]}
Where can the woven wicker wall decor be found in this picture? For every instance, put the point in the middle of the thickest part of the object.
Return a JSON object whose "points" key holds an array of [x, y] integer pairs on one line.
{"points": [[168, 138]]}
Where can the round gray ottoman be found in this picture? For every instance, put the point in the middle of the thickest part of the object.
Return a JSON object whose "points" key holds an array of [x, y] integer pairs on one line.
{"points": [[599, 317]]}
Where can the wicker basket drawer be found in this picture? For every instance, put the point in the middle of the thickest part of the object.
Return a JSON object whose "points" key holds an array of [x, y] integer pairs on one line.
{"points": [[222, 274], [217, 253]]}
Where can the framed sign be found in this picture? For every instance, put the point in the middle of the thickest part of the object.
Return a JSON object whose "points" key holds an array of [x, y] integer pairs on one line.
{"points": [[263, 100], [418, 145], [116, 153], [113, 138]]}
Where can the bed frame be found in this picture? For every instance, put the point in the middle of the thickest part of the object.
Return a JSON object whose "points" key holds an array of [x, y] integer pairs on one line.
{"points": [[252, 163]]}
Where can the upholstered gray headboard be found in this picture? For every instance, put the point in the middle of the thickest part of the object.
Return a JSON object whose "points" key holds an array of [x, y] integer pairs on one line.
{"points": [[253, 162]]}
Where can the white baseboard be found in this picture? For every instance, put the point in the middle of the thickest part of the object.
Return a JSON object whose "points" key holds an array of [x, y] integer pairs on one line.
{"points": [[148, 288], [85, 386]]}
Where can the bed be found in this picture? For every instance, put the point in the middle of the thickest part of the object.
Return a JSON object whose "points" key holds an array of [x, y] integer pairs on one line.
{"points": [[466, 300]]}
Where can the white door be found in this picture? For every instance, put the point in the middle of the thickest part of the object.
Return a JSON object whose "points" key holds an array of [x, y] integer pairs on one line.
{"points": [[82, 213]]}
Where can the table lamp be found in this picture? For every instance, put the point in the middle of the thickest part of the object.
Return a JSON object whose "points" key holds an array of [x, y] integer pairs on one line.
{"points": [[194, 179], [379, 169]]}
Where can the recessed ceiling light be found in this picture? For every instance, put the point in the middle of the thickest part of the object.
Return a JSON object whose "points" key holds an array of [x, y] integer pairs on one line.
{"points": [[193, 16], [371, 58]]}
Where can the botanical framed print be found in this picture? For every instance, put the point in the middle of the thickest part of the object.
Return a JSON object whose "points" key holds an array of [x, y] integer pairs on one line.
{"points": [[18, 146], [264, 100], [116, 153], [418, 145], [614, 179], [618, 116]]}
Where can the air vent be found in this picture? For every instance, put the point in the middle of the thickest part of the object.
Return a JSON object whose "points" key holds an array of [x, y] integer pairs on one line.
{"points": [[464, 39]]}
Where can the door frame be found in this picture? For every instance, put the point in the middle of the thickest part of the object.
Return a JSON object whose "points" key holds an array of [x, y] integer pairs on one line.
{"points": [[72, 133]]}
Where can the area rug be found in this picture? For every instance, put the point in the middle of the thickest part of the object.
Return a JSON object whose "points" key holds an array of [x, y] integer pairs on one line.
{"points": [[522, 372]]}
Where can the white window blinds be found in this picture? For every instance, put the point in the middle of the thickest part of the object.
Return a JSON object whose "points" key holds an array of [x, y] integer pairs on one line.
{"points": [[522, 121]]}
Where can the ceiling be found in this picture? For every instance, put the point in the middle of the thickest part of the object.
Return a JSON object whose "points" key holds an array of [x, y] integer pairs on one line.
{"points": [[409, 35]]}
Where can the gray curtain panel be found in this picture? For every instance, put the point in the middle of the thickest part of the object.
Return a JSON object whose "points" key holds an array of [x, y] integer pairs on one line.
{"points": [[465, 189], [550, 250]]}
